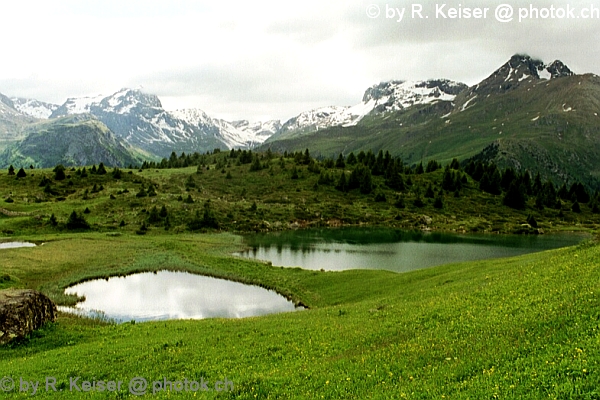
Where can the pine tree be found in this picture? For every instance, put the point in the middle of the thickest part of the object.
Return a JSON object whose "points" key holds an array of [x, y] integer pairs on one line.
{"points": [[563, 192], [255, 166], [395, 180], [515, 196], [351, 160], [342, 184], [101, 169], [295, 173], [419, 169], [153, 216], [11, 170], [508, 177], [163, 212], [532, 221], [21, 173], [53, 220], [340, 163], [455, 164], [76, 222], [141, 193], [59, 172], [366, 184], [448, 181], [429, 194], [439, 202]]}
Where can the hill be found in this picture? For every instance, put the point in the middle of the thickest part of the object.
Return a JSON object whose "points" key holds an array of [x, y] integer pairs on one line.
{"points": [[74, 140], [522, 116]]}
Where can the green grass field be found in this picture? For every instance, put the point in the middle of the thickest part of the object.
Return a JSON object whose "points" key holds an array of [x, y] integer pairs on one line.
{"points": [[525, 327]]}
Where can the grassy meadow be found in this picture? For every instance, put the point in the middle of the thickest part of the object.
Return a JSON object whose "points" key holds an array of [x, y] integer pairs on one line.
{"points": [[523, 327]]}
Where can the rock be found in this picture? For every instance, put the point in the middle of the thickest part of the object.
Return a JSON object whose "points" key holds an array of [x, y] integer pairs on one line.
{"points": [[425, 220], [23, 311]]}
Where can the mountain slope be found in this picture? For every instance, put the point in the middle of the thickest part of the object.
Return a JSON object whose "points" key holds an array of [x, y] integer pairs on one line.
{"points": [[551, 126], [12, 122], [71, 141]]}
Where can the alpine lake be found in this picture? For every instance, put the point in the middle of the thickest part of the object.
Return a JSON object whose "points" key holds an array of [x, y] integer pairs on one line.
{"points": [[167, 295]]}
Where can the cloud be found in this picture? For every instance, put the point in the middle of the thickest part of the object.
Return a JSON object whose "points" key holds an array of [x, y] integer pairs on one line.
{"points": [[265, 58]]}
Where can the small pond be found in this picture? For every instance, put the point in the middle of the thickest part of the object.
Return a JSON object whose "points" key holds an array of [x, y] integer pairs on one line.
{"points": [[391, 249], [167, 295], [14, 245]]}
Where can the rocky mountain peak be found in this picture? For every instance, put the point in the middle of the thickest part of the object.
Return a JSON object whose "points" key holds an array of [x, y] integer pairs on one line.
{"points": [[520, 69], [125, 100], [557, 69]]}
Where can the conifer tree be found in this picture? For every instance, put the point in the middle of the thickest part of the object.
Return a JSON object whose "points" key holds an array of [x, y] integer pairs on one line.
{"points": [[101, 169], [342, 184], [59, 173], [11, 170], [340, 163], [515, 196]]}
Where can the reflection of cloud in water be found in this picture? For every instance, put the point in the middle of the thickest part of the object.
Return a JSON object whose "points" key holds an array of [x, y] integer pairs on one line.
{"points": [[15, 245], [396, 251], [176, 295]]}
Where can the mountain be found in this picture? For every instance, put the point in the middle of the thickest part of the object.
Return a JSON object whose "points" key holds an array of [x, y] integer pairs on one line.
{"points": [[71, 141], [34, 108], [12, 122], [526, 114], [379, 99], [519, 70], [140, 120]]}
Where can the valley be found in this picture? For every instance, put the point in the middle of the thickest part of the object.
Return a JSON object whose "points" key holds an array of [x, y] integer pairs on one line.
{"points": [[113, 186]]}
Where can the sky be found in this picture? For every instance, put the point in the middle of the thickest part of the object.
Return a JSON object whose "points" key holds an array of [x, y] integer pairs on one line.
{"points": [[262, 60]]}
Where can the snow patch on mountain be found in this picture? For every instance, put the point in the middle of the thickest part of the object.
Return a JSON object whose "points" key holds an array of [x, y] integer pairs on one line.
{"points": [[378, 99], [76, 105], [34, 108]]}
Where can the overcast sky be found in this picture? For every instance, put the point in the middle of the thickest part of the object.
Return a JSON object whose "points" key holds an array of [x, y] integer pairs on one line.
{"points": [[261, 60]]}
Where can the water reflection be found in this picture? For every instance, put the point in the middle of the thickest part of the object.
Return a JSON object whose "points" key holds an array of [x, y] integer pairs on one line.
{"points": [[14, 245], [390, 249], [174, 295]]}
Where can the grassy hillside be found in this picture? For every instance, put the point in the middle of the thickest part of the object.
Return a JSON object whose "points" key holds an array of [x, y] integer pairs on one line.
{"points": [[240, 199], [75, 140], [550, 127], [525, 327]]}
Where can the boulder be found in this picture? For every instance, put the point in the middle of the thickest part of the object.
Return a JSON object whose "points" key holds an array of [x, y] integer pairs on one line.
{"points": [[23, 311]]}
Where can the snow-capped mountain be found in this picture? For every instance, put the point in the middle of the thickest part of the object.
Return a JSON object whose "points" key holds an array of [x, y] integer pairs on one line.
{"points": [[378, 99], [261, 131], [75, 105], [34, 108], [140, 119], [11, 121]]}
